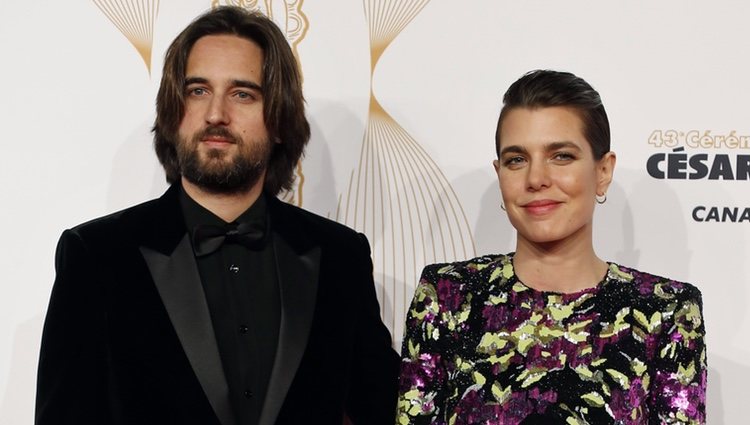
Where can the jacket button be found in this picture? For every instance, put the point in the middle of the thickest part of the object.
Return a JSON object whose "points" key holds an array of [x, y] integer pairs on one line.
{"points": [[244, 329], [248, 394]]}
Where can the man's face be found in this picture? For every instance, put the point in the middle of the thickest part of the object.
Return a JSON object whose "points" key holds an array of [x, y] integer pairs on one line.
{"points": [[223, 144]]}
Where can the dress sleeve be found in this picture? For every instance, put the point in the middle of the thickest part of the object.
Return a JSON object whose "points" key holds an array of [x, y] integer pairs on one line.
{"points": [[678, 393], [422, 381]]}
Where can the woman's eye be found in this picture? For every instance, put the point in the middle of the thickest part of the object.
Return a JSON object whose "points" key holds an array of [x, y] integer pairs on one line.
{"points": [[564, 156], [513, 160]]}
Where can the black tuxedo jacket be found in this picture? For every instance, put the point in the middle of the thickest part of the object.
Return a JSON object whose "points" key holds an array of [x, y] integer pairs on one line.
{"points": [[128, 337]]}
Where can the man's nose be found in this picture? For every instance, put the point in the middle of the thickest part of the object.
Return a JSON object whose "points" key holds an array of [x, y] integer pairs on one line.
{"points": [[217, 111]]}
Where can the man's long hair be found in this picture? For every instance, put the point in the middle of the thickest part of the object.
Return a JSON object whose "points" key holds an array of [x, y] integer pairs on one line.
{"points": [[283, 103]]}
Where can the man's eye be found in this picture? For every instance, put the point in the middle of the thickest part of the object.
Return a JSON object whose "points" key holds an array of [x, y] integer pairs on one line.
{"points": [[196, 91], [242, 95]]}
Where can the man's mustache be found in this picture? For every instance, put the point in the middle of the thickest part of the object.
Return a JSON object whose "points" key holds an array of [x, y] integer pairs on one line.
{"points": [[217, 131]]}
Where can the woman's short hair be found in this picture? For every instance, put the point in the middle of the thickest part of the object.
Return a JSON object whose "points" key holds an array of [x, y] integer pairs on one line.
{"points": [[545, 88], [283, 103]]}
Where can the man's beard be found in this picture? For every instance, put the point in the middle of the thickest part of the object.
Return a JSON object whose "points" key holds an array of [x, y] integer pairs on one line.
{"points": [[216, 172]]}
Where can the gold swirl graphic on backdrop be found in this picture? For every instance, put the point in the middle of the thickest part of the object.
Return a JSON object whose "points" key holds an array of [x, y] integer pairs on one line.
{"points": [[289, 17], [135, 20], [397, 195], [294, 24]]}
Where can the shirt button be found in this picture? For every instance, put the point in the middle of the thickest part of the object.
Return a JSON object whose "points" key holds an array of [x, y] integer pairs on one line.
{"points": [[234, 269], [244, 329], [248, 394]]}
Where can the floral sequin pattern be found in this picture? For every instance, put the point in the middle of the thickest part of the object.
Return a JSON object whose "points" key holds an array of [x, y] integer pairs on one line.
{"points": [[483, 348]]}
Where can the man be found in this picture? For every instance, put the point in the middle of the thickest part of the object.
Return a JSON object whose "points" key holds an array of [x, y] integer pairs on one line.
{"points": [[217, 303]]}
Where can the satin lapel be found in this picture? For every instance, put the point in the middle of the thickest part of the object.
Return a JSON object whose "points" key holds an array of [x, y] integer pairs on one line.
{"points": [[298, 282], [179, 286]]}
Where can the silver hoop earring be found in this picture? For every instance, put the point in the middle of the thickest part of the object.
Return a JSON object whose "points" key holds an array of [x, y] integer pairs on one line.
{"points": [[601, 200], [502, 206]]}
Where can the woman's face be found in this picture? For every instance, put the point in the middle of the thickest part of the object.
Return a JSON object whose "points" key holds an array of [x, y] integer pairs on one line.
{"points": [[548, 176]]}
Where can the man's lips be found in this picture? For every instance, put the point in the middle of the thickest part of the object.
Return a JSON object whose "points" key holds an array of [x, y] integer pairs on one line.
{"points": [[541, 206], [217, 141], [216, 136]]}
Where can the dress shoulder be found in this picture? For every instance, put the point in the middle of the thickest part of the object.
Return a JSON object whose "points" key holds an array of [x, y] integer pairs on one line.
{"points": [[651, 285], [462, 270]]}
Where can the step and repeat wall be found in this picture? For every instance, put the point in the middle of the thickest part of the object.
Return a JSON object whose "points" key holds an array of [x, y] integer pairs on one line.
{"points": [[402, 97]]}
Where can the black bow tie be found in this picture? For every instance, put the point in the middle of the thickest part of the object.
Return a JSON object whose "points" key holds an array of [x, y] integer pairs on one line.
{"points": [[207, 238]]}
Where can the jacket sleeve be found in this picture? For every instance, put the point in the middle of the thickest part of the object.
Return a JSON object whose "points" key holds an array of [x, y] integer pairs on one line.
{"points": [[678, 395], [72, 374], [421, 396], [374, 373]]}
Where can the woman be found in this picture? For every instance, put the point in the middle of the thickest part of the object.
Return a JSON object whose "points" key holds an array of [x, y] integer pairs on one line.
{"points": [[552, 334]]}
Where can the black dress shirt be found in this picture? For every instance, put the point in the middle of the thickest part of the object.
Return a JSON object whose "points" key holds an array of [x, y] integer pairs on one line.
{"points": [[242, 293]]}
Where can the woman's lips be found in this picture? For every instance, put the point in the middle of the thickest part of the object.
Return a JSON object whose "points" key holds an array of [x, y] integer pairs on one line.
{"points": [[541, 207]]}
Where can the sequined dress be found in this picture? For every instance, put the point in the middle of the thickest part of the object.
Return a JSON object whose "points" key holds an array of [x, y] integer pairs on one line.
{"points": [[480, 347]]}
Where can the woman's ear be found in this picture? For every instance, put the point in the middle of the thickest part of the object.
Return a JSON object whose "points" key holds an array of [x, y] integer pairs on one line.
{"points": [[605, 169]]}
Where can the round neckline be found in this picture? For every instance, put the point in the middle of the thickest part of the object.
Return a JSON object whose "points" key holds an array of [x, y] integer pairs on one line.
{"points": [[592, 289]]}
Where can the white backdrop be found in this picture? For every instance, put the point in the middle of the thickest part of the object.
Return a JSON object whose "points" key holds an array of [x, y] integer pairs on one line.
{"points": [[410, 166]]}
